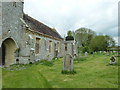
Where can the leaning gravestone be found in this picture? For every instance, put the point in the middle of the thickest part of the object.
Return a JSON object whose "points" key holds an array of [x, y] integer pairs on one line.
{"points": [[112, 60], [68, 63]]}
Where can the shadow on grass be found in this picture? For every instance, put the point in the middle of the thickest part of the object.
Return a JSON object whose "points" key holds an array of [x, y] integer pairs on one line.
{"points": [[17, 67], [112, 65], [68, 72], [45, 62]]}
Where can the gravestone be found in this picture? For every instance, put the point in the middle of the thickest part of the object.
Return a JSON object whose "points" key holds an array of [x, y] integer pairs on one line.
{"points": [[95, 52], [112, 60], [86, 53], [116, 54], [111, 52], [107, 53], [68, 63]]}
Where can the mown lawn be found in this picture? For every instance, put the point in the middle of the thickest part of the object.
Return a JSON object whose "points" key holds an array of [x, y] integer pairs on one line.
{"points": [[92, 72], [0, 78]]}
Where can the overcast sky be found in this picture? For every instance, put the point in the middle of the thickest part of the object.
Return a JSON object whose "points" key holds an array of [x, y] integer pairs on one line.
{"points": [[99, 15]]}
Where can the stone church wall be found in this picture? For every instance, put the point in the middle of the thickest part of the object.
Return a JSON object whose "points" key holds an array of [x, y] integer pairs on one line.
{"points": [[14, 27]]}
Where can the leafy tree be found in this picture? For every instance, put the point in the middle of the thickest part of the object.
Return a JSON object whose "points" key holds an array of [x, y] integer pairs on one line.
{"points": [[88, 41], [85, 49], [110, 41], [83, 36], [69, 36], [69, 33], [99, 43]]}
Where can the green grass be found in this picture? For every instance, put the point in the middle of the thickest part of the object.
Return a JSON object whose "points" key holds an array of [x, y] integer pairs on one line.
{"points": [[93, 71], [0, 78]]}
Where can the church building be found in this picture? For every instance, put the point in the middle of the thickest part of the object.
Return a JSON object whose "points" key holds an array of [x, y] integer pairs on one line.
{"points": [[24, 40]]}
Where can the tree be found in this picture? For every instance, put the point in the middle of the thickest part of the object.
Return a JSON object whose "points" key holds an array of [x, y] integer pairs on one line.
{"points": [[85, 49], [69, 36], [99, 43], [110, 41], [69, 33], [83, 36]]}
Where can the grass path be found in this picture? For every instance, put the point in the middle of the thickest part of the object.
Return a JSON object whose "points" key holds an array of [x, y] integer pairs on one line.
{"points": [[93, 72]]}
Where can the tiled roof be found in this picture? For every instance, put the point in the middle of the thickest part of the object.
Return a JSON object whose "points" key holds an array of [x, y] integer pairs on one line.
{"points": [[40, 27]]}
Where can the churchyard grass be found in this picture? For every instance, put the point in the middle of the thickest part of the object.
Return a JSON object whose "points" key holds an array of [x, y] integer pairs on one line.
{"points": [[92, 72], [0, 78]]}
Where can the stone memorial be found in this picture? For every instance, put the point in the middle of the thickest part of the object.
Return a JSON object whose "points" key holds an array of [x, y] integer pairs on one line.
{"points": [[111, 52], [112, 60], [116, 54], [69, 54], [95, 52], [107, 53], [86, 53], [68, 63]]}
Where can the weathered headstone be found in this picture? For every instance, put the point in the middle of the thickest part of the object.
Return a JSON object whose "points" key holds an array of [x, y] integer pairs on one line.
{"points": [[95, 52], [68, 63], [116, 54], [112, 60], [111, 52], [107, 53], [86, 53]]}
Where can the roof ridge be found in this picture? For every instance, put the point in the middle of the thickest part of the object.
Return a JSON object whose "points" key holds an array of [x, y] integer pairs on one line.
{"points": [[38, 21], [40, 27]]}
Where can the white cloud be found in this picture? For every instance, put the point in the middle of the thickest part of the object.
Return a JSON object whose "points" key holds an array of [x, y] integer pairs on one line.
{"points": [[117, 39], [99, 15]]}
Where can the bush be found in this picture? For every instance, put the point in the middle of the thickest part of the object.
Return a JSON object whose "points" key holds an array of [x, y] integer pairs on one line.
{"points": [[85, 49], [82, 59], [91, 52]]}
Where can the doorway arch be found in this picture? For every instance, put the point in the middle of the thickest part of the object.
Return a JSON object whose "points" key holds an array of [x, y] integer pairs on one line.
{"points": [[8, 49]]}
